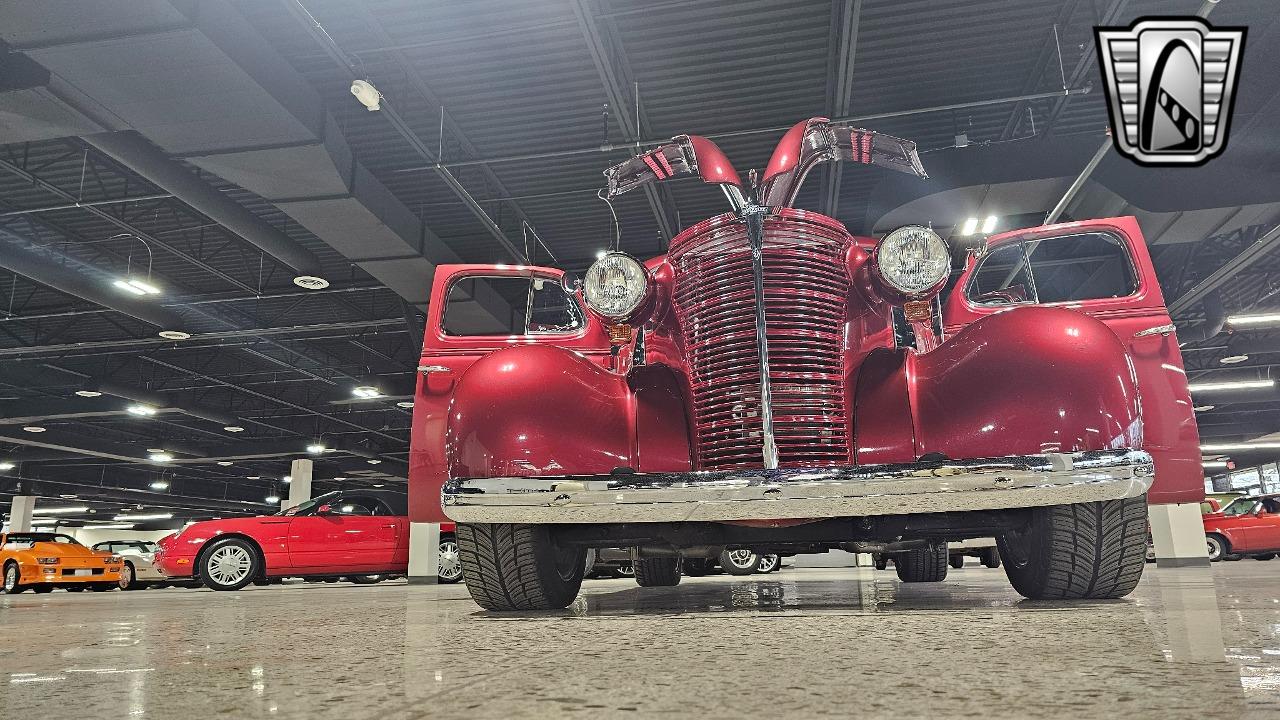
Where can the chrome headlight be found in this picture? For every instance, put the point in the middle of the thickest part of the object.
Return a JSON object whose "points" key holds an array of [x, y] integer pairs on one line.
{"points": [[913, 259], [616, 285]]}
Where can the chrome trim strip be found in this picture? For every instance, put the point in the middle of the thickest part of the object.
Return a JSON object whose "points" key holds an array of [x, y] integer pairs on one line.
{"points": [[754, 216], [853, 491]]}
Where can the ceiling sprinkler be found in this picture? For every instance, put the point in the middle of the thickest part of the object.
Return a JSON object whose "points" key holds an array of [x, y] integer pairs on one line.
{"points": [[367, 94]]}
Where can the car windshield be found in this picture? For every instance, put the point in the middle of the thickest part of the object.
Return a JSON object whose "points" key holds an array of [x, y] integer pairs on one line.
{"points": [[1240, 506], [307, 506], [33, 538]]}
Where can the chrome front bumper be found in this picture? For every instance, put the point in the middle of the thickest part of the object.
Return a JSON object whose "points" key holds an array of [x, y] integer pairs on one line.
{"points": [[852, 491]]}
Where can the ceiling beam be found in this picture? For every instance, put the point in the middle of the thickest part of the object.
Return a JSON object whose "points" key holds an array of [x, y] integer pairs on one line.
{"points": [[846, 15], [1247, 257]]}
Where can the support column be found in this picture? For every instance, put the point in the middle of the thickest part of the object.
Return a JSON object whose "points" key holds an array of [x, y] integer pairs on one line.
{"points": [[20, 513], [424, 553], [1178, 534], [299, 484]]}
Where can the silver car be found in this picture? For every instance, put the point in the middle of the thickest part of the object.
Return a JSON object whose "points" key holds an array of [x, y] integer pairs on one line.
{"points": [[140, 571]]}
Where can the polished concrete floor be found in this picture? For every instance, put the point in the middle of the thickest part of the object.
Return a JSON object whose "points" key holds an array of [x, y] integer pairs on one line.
{"points": [[799, 643]]}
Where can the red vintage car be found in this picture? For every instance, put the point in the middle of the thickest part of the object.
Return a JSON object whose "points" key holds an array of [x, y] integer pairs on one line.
{"points": [[777, 384], [362, 535], [1246, 527]]}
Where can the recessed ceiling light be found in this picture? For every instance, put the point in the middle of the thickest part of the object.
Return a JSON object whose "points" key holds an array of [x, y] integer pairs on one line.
{"points": [[159, 485], [224, 463], [33, 429], [311, 282], [368, 392], [88, 393], [316, 448], [1233, 359], [5, 465], [406, 404], [141, 410], [174, 335], [233, 428], [286, 479], [161, 457], [273, 499], [1203, 408], [373, 461]]}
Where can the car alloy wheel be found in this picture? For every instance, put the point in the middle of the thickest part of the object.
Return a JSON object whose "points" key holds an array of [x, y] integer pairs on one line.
{"points": [[450, 566], [768, 563], [230, 565], [740, 561], [1217, 548], [11, 579], [126, 577]]}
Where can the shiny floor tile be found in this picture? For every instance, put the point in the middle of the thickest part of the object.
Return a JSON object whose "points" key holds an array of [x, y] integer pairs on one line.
{"points": [[799, 643]]}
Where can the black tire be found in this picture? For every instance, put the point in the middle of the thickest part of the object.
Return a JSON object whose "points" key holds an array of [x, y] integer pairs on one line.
{"points": [[1232, 557], [518, 567], [927, 564], [736, 562], [104, 586], [1265, 556], [1218, 547], [243, 564], [75, 588], [9, 584], [990, 557], [881, 562], [129, 578], [657, 571], [696, 567], [956, 561], [366, 579], [1091, 550], [41, 589]]}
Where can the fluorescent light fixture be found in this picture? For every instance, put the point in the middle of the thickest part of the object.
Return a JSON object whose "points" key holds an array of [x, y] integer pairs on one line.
{"points": [[1230, 447], [136, 286], [174, 335], [1259, 319], [367, 392], [989, 225], [154, 516], [68, 510], [310, 282], [1231, 385], [1204, 408], [316, 448], [406, 404], [33, 429], [373, 461], [970, 226], [233, 428], [141, 410], [286, 479], [273, 499], [1233, 359], [253, 477], [340, 478], [111, 526], [159, 485], [1214, 463], [5, 465], [161, 457], [224, 463], [88, 393]]}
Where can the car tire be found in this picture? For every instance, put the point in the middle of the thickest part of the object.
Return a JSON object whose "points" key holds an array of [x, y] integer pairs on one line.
{"points": [[696, 567], [1264, 556], [42, 589], [881, 562], [10, 584], [928, 564], [990, 558], [229, 564], [956, 561], [769, 563], [657, 571], [104, 586], [75, 588], [1217, 546], [739, 561], [625, 570], [129, 578], [450, 567], [1093, 550], [511, 566]]}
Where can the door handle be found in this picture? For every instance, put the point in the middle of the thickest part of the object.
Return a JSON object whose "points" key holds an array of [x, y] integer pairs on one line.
{"points": [[389, 526], [428, 369], [1157, 330]]}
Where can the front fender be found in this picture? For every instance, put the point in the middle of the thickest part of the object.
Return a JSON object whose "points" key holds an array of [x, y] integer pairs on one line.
{"points": [[1028, 380]]}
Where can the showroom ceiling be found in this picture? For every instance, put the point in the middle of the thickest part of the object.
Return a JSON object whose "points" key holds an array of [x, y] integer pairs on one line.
{"points": [[253, 99]]}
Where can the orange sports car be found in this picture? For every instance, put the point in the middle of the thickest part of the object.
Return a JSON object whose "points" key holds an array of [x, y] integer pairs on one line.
{"points": [[43, 561]]}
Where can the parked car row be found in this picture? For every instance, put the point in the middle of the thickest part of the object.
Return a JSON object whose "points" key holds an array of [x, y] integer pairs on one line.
{"points": [[1246, 527]]}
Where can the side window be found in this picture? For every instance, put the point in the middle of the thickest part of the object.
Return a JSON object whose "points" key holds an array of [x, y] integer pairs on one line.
{"points": [[478, 306], [354, 506], [1070, 268]]}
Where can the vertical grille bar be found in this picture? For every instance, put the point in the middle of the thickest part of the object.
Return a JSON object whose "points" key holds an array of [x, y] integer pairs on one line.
{"points": [[806, 286]]}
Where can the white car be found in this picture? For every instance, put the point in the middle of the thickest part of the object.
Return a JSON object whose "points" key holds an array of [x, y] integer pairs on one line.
{"points": [[140, 571]]}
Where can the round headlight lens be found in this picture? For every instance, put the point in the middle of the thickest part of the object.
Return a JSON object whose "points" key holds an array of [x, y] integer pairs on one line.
{"points": [[616, 285], [913, 259]]}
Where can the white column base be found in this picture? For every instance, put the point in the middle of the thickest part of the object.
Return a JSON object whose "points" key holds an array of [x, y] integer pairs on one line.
{"points": [[424, 553], [1178, 534], [20, 513]]}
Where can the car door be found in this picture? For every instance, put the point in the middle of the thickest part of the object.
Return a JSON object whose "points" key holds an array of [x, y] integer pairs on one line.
{"points": [[344, 534], [1102, 269], [1262, 526], [476, 310]]}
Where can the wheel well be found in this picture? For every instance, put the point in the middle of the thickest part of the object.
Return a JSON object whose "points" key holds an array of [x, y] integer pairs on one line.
{"points": [[1226, 541], [257, 549]]}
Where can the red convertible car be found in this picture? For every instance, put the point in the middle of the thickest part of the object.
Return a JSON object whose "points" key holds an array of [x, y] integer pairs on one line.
{"points": [[1247, 527], [362, 535], [776, 384]]}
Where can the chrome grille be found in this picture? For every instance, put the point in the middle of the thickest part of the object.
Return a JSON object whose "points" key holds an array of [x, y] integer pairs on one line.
{"points": [[806, 286]]}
